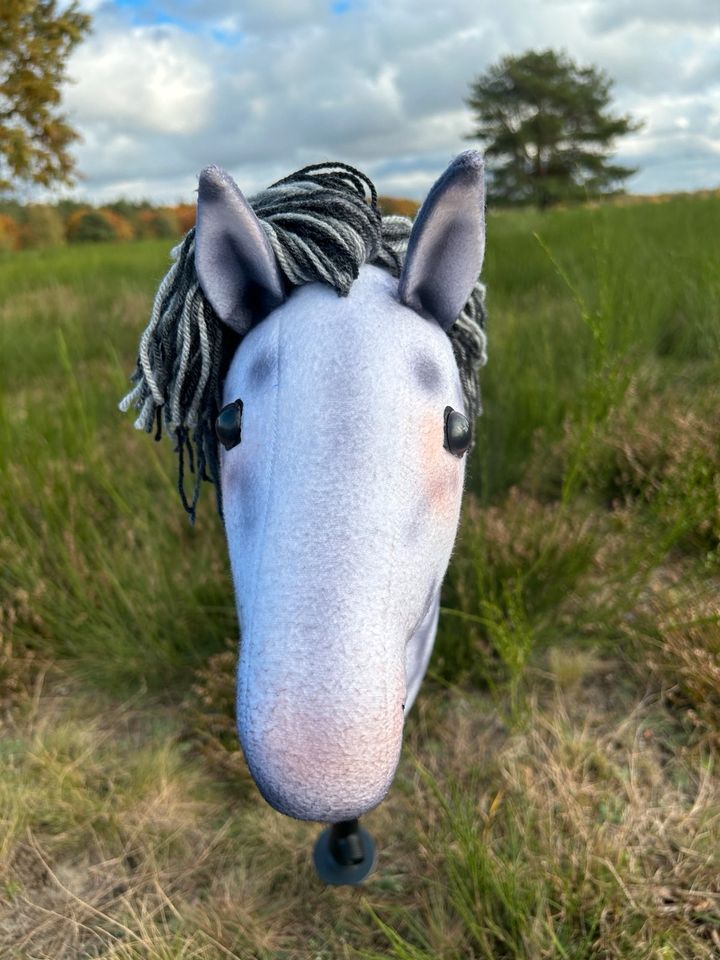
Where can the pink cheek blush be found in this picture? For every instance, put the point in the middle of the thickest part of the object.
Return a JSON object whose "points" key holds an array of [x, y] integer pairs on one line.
{"points": [[442, 473]]}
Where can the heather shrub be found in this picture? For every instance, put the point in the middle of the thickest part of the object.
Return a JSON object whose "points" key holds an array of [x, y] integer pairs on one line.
{"points": [[87, 226]]}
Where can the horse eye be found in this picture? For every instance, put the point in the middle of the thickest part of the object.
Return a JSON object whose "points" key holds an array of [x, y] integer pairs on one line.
{"points": [[458, 433], [228, 424]]}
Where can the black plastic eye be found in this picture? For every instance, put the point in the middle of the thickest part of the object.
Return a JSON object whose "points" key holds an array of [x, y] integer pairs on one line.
{"points": [[228, 424], [458, 432]]}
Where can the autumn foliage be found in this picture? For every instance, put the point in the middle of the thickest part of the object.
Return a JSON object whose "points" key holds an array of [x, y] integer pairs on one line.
{"points": [[9, 233], [32, 226], [36, 39], [185, 214], [398, 206]]}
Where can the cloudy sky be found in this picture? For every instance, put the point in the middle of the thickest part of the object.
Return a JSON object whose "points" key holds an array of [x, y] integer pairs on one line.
{"points": [[164, 87]]}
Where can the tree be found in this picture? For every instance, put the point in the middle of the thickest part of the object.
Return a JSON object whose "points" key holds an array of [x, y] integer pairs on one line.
{"points": [[547, 130], [35, 41]]}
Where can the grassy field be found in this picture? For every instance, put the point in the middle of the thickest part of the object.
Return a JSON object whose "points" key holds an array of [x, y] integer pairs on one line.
{"points": [[559, 793]]}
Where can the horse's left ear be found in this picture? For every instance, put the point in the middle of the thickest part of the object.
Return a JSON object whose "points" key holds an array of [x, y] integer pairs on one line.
{"points": [[234, 261], [447, 243]]}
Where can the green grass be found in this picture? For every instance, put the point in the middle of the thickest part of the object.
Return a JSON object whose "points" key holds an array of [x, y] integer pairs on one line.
{"points": [[579, 300], [119, 581], [558, 794]]}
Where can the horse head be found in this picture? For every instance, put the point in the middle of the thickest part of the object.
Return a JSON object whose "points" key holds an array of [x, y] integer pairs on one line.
{"points": [[343, 429]]}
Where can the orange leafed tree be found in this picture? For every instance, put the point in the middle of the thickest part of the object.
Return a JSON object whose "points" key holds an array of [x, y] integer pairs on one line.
{"points": [[157, 222], [36, 39], [398, 206], [9, 233], [185, 215], [92, 225]]}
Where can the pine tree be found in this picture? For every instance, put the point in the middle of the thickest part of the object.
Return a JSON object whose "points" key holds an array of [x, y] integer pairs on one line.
{"points": [[547, 130], [35, 41]]}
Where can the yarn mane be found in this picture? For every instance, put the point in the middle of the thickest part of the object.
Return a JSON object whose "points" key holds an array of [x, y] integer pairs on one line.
{"points": [[322, 227]]}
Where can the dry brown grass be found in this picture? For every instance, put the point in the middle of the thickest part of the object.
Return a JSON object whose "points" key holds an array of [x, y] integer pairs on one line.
{"points": [[677, 631], [210, 717], [588, 831], [582, 835], [22, 669], [572, 813]]}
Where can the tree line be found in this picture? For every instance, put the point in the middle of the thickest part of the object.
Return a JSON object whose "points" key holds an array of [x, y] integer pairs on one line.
{"points": [[34, 225]]}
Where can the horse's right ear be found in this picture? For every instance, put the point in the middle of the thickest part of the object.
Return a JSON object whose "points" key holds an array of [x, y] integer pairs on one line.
{"points": [[447, 243], [234, 261]]}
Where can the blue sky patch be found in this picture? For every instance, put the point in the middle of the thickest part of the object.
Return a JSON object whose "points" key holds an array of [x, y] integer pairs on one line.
{"points": [[145, 12], [338, 7]]}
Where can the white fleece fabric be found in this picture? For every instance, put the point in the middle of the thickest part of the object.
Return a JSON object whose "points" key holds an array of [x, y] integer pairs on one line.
{"points": [[341, 508]]}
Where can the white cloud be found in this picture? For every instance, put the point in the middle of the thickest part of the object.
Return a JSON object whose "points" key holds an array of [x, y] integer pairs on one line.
{"points": [[269, 85], [615, 14], [141, 79]]}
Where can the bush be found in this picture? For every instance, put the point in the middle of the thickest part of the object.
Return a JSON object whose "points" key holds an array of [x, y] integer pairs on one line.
{"points": [[677, 631], [659, 448], [9, 233], [398, 207], [41, 226], [687, 658], [93, 226], [209, 712], [516, 567], [122, 227], [160, 224], [185, 216]]}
